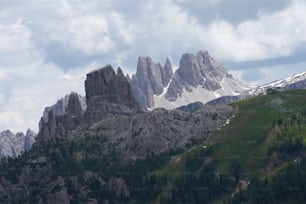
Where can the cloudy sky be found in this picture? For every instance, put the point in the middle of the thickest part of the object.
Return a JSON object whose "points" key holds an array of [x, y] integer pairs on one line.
{"points": [[47, 46]]}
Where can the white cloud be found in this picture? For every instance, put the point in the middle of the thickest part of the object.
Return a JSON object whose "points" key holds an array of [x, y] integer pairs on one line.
{"points": [[15, 44], [8, 118], [27, 83], [34, 34], [268, 36], [200, 2], [90, 34], [125, 32], [267, 74], [3, 75]]}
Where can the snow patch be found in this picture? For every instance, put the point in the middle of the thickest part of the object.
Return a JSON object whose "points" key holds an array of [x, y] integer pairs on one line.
{"points": [[278, 83], [229, 86], [165, 89]]}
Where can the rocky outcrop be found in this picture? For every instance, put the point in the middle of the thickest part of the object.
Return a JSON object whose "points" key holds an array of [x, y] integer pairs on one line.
{"points": [[167, 72], [62, 117], [197, 70], [110, 86], [12, 145], [92, 146], [108, 92], [60, 107], [29, 140], [150, 79], [135, 137], [198, 78], [296, 85]]}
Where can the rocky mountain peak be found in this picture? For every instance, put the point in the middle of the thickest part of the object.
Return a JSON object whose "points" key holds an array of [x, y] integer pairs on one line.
{"points": [[98, 82], [61, 106], [110, 86], [150, 79], [12, 145], [29, 139], [167, 72], [108, 92], [200, 69], [63, 116], [120, 73], [74, 106], [198, 78]]}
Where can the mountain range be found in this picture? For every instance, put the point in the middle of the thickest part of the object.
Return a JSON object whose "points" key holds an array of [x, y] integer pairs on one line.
{"points": [[109, 147], [198, 80], [251, 151]]}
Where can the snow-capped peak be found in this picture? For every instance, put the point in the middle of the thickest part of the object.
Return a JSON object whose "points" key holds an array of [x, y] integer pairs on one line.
{"points": [[296, 81]]}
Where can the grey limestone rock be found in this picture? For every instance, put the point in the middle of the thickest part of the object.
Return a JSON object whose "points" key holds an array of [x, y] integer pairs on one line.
{"points": [[108, 92], [199, 71], [196, 70], [135, 137], [167, 72], [29, 140], [12, 145], [57, 121], [296, 85], [112, 87], [150, 79]]}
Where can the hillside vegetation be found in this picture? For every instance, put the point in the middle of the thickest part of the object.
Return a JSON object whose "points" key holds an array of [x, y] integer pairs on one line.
{"points": [[263, 142], [257, 156]]}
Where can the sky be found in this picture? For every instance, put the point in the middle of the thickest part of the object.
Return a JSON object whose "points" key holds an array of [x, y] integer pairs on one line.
{"points": [[48, 46]]}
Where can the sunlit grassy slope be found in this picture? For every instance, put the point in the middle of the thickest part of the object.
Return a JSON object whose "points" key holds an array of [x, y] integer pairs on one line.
{"points": [[248, 135]]}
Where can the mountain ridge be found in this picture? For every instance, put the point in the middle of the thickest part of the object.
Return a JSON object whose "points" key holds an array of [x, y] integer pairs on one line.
{"points": [[198, 78], [160, 86], [109, 150], [86, 164], [295, 81], [13, 145]]}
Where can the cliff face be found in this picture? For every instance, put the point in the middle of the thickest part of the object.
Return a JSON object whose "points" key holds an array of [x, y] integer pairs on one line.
{"points": [[199, 78], [111, 86], [107, 92], [81, 152], [150, 79], [62, 117], [12, 145]]}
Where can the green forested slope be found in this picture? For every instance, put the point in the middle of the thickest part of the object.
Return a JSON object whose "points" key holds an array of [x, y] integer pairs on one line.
{"points": [[257, 157]]}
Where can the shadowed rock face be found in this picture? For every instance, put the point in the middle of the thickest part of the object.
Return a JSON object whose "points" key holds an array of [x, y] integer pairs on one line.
{"points": [[108, 92], [150, 79], [55, 123], [110, 87]]}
